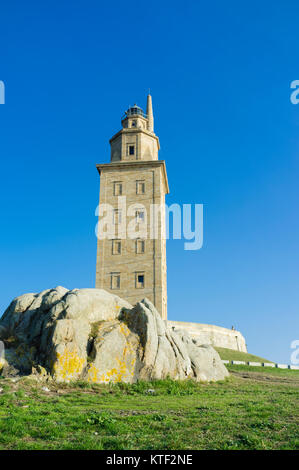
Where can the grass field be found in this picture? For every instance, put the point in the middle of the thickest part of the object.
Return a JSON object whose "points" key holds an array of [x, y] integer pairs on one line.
{"points": [[231, 355], [253, 409]]}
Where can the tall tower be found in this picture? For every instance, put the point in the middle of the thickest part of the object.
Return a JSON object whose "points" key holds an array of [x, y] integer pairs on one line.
{"points": [[132, 261]]}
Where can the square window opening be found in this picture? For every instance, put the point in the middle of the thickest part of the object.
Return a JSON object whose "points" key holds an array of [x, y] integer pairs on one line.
{"points": [[139, 215], [116, 216], [140, 187], [140, 246], [116, 247], [118, 189], [115, 281], [140, 280]]}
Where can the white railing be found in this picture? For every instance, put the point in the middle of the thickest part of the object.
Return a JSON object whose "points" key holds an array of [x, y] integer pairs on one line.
{"points": [[261, 364]]}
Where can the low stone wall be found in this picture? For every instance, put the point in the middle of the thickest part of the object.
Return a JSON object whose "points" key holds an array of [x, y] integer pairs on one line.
{"points": [[215, 335]]}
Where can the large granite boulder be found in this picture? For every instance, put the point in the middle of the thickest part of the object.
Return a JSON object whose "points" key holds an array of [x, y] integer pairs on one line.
{"points": [[92, 335]]}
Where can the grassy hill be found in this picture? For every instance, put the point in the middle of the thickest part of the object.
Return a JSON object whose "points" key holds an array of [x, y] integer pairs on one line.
{"points": [[250, 410], [231, 355]]}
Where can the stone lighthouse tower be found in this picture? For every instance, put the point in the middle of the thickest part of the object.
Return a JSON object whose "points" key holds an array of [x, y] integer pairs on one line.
{"points": [[131, 262]]}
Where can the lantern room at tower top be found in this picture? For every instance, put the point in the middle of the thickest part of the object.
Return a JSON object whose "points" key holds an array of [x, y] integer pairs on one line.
{"points": [[136, 140], [134, 111]]}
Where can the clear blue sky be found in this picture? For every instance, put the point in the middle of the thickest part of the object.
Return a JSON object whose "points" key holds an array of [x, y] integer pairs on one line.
{"points": [[220, 74]]}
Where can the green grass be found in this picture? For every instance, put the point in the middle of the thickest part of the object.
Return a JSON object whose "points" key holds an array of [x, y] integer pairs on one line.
{"points": [[231, 355], [253, 409]]}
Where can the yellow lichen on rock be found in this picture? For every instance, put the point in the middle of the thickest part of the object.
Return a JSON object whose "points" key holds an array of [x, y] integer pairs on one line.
{"points": [[123, 372], [114, 375], [2, 363], [68, 366], [92, 374], [122, 366]]}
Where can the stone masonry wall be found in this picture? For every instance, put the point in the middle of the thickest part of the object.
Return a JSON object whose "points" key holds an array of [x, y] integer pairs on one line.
{"points": [[215, 335], [151, 263]]}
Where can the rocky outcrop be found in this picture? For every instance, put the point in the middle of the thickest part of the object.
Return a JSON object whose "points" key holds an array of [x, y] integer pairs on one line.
{"points": [[92, 335]]}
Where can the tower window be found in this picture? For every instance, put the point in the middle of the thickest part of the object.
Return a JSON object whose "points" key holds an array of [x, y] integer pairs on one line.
{"points": [[139, 215], [133, 123], [131, 150], [115, 280], [140, 246], [140, 187], [116, 216], [118, 188], [139, 280], [116, 247]]}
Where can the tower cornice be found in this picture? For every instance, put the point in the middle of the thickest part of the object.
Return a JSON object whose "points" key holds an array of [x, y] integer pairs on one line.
{"points": [[135, 131], [140, 164]]}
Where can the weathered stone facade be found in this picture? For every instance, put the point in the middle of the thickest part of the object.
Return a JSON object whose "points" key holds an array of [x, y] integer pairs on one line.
{"points": [[133, 184]]}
